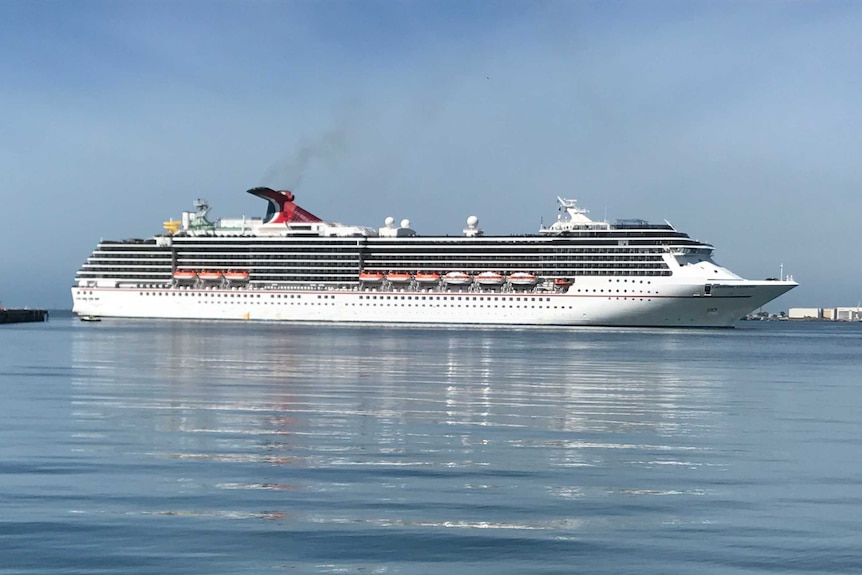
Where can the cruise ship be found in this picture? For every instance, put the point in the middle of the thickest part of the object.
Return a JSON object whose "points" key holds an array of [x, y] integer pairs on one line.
{"points": [[292, 266]]}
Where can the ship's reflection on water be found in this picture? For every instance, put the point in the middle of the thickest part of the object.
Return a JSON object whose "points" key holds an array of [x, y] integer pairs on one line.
{"points": [[310, 391], [410, 419]]}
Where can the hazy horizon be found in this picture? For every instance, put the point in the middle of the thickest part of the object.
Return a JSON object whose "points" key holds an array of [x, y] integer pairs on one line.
{"points": [[738, 122]]}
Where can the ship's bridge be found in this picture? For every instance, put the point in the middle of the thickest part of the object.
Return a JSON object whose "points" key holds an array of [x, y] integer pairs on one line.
{"points": [[572, 218], [687, 255]]}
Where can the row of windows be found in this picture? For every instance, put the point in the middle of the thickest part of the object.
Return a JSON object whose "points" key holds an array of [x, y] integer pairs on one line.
{"points": [[519, 251], [421, 260], [547, 268], [98, 256], [205, 294], [412, 244], [267, 243], [124, 273], [280, 262], [478, 259], [596, 263], [374, 297], [419, 242], [502, 262], [543, 269], [348, 251], [350, 275], [350, 281], [402, 301]]}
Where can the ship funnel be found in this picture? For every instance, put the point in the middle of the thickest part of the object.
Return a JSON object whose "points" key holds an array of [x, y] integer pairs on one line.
{"points": [[281, 208]]}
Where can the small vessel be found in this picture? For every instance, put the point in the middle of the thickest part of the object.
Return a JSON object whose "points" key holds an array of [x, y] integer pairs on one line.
{"points": [[562, 282], [523, 279], [236, 275], [210, 275], [89, 318], [399, 278], [457, 279], [185, 275], [369, 277], [427, 278], [490, 279]]}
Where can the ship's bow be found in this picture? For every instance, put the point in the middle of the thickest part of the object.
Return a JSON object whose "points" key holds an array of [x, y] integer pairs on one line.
{"points": [[747, 296]]}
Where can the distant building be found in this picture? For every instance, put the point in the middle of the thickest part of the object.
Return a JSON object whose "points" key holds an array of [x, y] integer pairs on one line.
{"points": [[829, 313], [805, 313], [848, 313]]}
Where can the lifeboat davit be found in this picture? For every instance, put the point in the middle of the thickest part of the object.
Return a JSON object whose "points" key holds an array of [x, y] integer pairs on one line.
{"points": [[185, 275], [236, 275], [457, 279], [370, 277], [427, 278], [399, 277], [490, 279], [523, 279], [210, 275]]}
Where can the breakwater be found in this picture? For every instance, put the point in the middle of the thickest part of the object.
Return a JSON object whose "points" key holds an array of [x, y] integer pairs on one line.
{"points": [[22, 315]]}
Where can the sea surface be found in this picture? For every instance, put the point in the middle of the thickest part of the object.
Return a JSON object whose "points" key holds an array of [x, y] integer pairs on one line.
{"points": [[162, 447]]}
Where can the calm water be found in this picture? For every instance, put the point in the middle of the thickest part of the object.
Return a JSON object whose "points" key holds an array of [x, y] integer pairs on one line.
{"points": [[169, 447]]}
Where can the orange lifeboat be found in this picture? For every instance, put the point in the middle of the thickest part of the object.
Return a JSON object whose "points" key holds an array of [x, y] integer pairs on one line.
{"points": [[210, 275], [489, 279], [426, 278], [522, 279], [236, 275], [370, 277], [562, 282], [185, 275], [399, 277], [457, 279]]}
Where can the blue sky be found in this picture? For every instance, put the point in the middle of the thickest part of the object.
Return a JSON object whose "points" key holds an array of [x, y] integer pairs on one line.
{"points": [[738, 122]]}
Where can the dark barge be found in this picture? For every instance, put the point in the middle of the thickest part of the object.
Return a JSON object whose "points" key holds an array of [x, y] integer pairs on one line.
{"points": [[22, 315]]}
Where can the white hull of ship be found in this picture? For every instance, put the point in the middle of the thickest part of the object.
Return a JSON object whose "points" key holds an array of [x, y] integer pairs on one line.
{"points": [[666, 305]]}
